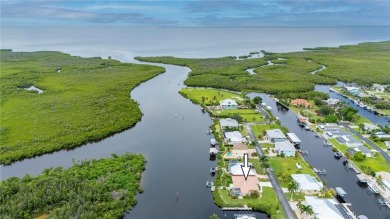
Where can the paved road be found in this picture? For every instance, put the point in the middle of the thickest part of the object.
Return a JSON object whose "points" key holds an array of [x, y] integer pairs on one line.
{"points": [[290, 214], [384, 154]]}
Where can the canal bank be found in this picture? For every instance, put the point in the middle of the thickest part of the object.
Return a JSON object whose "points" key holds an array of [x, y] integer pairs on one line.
{"points": [[321, 157]]}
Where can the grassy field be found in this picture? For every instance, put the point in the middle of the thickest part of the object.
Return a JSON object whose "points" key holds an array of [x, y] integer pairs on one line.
{"points": [[88, 100], [344, 63], [104, 188], [210, 96], [286, 166], [248, 115], [268, 203], [377, 164]]}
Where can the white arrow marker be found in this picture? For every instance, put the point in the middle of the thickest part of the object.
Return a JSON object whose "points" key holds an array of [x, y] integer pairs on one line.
{"points": [[245, 169]]}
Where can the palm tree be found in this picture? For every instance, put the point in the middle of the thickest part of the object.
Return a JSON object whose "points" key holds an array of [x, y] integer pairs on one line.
{"points": [[379, 180], [265, 165], [292, 188], [306, 209], [264, 158]]}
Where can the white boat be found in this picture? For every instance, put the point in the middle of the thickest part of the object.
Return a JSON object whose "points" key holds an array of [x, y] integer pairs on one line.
{"points": [[298, 166]]}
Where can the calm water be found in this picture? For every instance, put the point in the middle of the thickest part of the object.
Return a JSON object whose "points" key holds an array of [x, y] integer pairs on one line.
{"points": [[381, 120], [321, 157], [183, 42], [172, 133]]}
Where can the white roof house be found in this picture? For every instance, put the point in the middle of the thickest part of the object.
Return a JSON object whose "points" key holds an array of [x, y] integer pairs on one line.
{"points": [[378, 87], [387, 143], [370, 127], [307, 183], [234, 137], [275, 135], [228, 104], [351, 141], [324, 208], [328, 126], [337, 133], [331, 101], [366, 151], [285, 147], [382, 135], [237, 171], [228, 123]]}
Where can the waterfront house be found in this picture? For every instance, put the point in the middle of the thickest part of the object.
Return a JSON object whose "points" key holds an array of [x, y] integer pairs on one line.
{"points": [[355, 91], [228, 123], [234, 137], [245, 186], [239, 149], [301, 102], [349, 140], [307, 184], [285, 148], [387, 143], [370, 127], [382, 135], [378, 88], [331, 101], [228, 104], [366, 151], [326, 208], [275, 135], [337, 133], [328, 127]]}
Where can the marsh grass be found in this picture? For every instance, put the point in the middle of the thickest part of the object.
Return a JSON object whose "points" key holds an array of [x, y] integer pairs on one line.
{"points": [[87, 101]]}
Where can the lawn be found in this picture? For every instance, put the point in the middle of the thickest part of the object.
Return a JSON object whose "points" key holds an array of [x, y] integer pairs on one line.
{"points": [[267, 145], [209, 96], [268, 203], [377, 164], [286, 166], [248, 115], [87, 101]]}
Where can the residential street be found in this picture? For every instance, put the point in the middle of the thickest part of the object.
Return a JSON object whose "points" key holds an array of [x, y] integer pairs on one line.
{"points": [[275, 184], [380, 150]]}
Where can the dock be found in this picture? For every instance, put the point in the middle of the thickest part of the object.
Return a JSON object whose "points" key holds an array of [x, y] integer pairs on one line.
{"points": [[245, 208], [383, 202], [372, 189], [319, 172]]}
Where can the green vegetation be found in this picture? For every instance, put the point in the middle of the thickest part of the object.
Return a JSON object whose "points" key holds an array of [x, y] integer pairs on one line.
{"points": [[285, 166], [86, 101], [247, 115], [376, 164], [208, 96], [268, 202], [293, 75], [102, 188]]}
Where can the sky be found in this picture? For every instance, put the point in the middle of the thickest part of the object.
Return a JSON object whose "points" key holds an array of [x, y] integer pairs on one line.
{"points": [[196, 13]]}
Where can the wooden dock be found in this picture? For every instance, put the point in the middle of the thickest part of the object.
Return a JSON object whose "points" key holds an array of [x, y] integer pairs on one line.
{"points": [[245, 208]]}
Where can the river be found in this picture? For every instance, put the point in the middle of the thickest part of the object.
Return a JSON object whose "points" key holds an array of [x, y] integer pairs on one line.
{"points": [[322, 158], [172, 137]]}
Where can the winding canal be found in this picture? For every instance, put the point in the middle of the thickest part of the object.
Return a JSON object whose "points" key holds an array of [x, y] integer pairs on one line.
{"points": [[172, 137], [322, 157]]}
